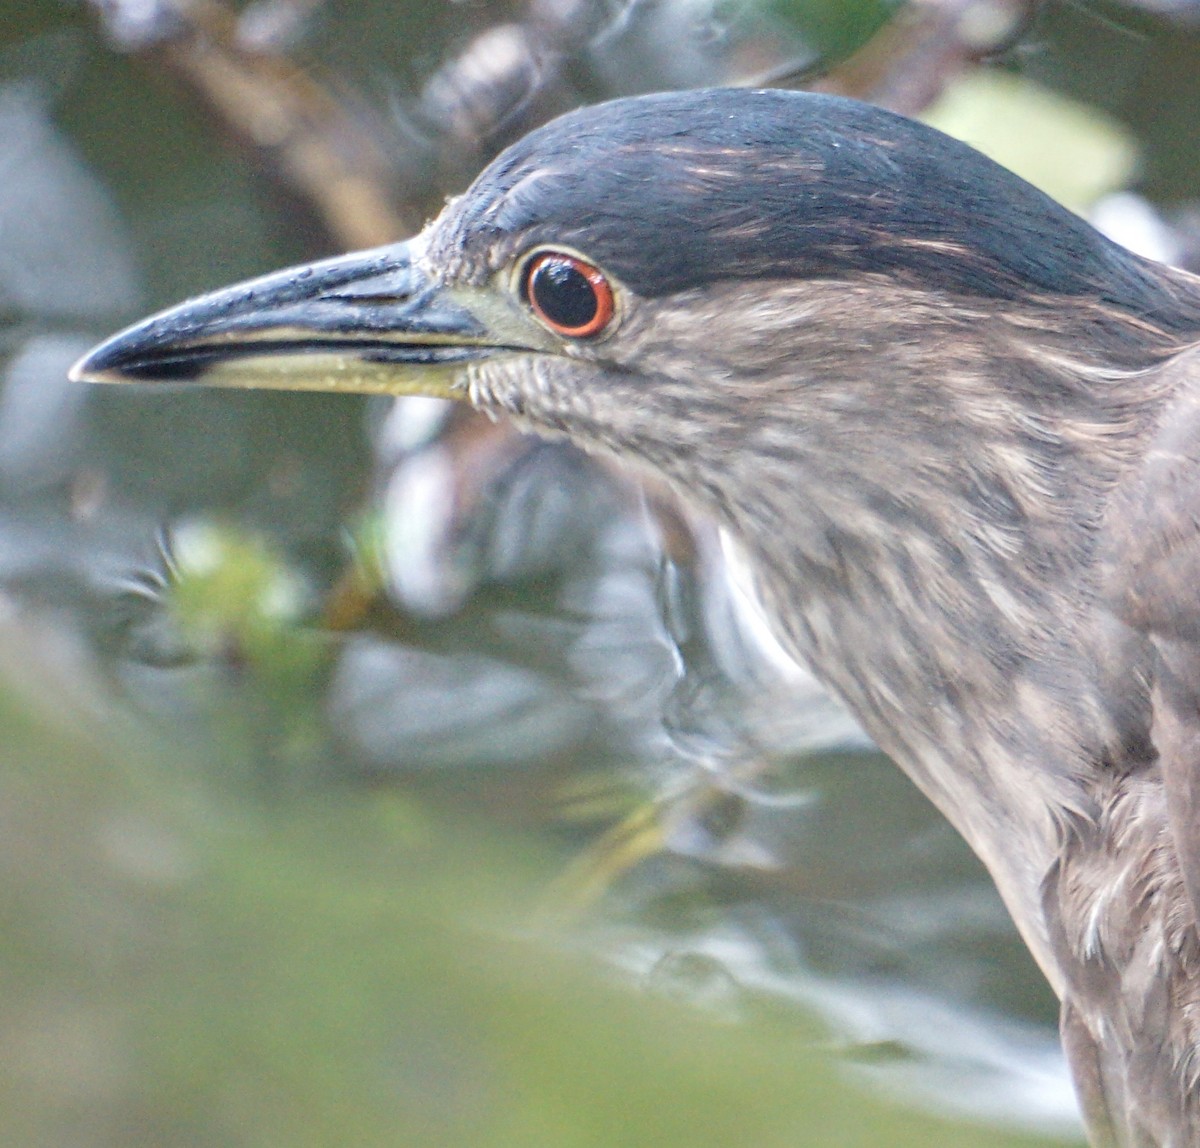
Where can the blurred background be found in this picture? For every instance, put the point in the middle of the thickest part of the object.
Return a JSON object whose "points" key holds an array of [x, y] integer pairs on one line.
{"points": [[372, 775]]}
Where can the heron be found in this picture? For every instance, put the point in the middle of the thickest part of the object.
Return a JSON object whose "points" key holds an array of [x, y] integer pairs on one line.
{"points": [[954, 431]]}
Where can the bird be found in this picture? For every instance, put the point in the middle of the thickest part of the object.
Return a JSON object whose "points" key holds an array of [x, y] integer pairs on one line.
{"points": [[953, 431]]}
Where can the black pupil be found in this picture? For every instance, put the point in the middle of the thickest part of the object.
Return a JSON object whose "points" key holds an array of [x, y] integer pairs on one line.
{"points": [[563, 293]]}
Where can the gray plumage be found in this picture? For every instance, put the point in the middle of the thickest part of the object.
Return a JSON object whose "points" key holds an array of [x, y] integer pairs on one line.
{"points": [[957, 433]]}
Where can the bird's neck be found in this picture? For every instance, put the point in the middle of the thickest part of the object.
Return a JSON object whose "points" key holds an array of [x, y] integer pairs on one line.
{"points": [[925, 520]]}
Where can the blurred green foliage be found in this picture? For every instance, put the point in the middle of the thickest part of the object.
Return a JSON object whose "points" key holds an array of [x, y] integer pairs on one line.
{"points": [[184, 966], [834, 29]]}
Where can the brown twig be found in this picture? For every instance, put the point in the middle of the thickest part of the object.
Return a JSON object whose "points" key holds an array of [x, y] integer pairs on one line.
{"points": [[323, 149]]}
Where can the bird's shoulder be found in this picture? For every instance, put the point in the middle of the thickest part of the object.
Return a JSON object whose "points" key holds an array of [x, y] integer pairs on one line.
{"points": [[1152, 541], [1151, 582]]}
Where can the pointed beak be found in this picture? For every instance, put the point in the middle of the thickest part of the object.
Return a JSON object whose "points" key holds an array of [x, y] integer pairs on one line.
{"points": [[371, 322]]}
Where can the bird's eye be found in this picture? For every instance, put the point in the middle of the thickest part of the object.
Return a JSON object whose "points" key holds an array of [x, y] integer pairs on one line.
{"points": [[571, 296]]}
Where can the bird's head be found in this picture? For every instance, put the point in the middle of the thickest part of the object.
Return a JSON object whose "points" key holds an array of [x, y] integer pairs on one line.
{"points": [[738, 288]]}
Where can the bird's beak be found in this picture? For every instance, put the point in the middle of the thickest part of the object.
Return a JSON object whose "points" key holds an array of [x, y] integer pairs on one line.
{"points": [[371, 322]]}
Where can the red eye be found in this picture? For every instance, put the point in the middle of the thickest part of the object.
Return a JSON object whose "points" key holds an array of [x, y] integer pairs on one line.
{"points": [[572, 297]]}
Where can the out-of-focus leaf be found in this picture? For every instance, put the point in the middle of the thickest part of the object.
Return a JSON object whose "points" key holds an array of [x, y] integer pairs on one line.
{"points": [[184, 966], [834, 28], [1071, 151]]}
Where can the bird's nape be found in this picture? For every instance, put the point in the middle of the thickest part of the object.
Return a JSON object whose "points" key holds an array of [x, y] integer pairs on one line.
{"points": [[969, 507]]}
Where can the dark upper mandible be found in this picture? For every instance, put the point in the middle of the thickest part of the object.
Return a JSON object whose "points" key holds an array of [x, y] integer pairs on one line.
{"points": [[676, 190]]}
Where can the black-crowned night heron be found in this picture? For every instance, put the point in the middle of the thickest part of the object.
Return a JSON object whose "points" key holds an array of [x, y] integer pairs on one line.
{"points": [[956, 431]]}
